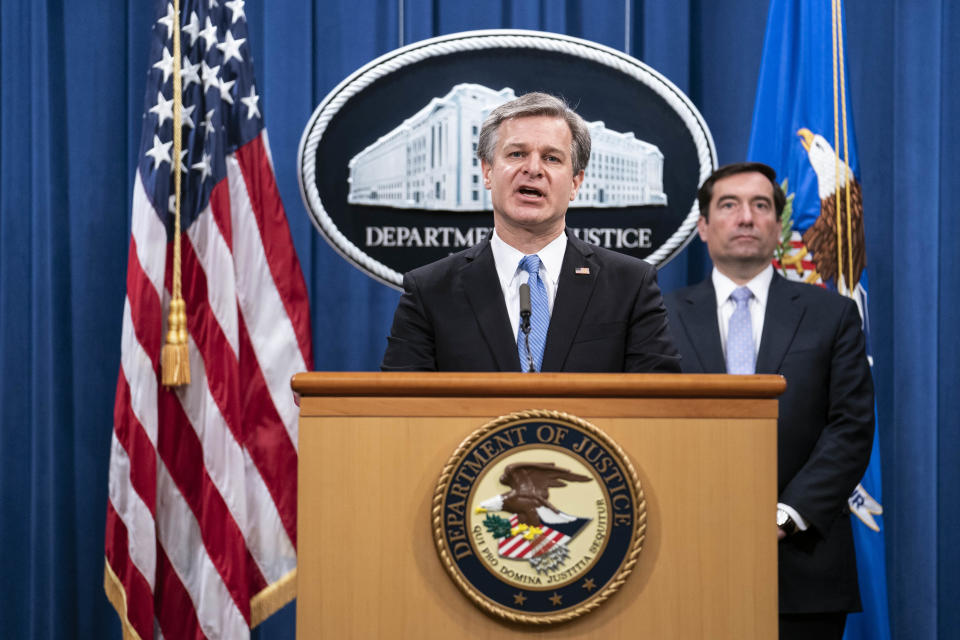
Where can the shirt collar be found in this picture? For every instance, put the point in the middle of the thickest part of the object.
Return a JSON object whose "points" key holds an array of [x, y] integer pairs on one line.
{"points": [[507, 259], [759, 286]]}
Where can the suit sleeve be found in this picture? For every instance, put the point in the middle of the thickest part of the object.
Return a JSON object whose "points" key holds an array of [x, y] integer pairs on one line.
{"points": [[650, 347], [411, 345], [820, 489]]}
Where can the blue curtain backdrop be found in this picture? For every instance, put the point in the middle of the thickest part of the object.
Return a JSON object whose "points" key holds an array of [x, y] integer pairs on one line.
{"points": [[71, 98]]}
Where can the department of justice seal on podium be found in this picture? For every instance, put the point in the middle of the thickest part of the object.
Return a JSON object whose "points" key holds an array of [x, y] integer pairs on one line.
{"points": [[538, 517]]}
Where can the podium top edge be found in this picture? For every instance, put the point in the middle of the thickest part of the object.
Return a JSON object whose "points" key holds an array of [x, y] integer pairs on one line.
{"points": [[582, 385]]}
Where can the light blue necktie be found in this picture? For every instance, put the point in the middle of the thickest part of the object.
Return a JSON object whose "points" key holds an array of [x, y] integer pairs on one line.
{"points": [[740, 351], [539, 315]]}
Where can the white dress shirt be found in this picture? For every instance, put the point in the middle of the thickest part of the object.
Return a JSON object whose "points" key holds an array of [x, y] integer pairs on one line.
{"points": [[760, 288], [511, 276]]}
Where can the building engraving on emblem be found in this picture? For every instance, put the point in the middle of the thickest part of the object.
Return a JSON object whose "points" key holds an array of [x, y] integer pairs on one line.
{"points": [[622, 172], [430, 161]]}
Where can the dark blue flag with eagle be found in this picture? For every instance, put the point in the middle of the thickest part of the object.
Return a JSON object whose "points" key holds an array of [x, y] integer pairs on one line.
{"points": [[803, 128]]}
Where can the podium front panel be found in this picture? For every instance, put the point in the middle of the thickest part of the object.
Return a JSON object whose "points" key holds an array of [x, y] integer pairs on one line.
{"points": [[368, 466]]}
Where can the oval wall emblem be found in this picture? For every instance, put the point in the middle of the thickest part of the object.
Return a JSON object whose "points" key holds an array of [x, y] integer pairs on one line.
{"points": [[388, 169], [538, 517]]}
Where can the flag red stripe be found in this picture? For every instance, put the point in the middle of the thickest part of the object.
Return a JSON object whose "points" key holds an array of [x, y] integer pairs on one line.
{"points": [[266, 437], [145, 308], [277, 242], [220, 207], [137, 589], [132, 437], [182, 453], [176, 615], [807, 265]]}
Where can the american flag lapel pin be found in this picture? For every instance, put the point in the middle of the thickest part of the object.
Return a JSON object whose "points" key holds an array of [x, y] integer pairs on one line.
{"points": [[582, 271]]}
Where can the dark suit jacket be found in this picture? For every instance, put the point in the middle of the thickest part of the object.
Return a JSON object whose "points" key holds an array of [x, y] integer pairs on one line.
{"points": [[825, 431], [452, 317]]}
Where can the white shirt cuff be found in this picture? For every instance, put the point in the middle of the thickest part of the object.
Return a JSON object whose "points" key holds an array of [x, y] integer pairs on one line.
{"points": [[796, 517]]}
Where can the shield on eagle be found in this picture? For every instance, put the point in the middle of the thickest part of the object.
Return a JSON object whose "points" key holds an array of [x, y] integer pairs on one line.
{"points": [[536, 531]]}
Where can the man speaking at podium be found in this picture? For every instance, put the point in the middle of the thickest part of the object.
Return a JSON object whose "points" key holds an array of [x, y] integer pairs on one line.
{"points": [[582, 308]]}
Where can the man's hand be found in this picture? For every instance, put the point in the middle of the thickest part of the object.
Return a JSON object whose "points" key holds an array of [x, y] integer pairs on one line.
{"points": [[785, 524]]}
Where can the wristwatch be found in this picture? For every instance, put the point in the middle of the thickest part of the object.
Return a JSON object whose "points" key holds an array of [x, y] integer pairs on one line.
{"points": [[785, 522]]}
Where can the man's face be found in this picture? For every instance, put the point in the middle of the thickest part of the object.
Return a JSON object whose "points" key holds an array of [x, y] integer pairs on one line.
{"points": [[531, 178], [742, 230]]}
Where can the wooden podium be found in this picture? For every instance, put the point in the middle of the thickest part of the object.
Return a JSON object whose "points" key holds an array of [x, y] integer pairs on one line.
{"points": [[372, 445]]}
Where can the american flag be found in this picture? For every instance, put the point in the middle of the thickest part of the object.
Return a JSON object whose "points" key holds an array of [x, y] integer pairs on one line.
{"points": [[201, 517]]}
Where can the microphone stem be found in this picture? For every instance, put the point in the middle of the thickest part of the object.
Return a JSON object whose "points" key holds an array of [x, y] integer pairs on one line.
{"points": [[526, 340]]}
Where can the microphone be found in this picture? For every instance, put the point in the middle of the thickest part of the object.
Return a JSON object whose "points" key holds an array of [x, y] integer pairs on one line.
{"points": [[525, 312], [525, 309]]}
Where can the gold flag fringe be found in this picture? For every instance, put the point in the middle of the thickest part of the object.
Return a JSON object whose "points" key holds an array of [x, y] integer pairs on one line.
{"points": [[118, 598], [272, 598], [262, 606]]}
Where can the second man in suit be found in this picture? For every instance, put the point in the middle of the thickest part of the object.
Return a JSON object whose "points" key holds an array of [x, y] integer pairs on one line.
{"points": [[591, 309], [747, 319]]}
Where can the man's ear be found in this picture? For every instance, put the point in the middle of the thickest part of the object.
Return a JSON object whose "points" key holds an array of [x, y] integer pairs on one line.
{"points": [[577, 181], [702, 228], [485, 169]]}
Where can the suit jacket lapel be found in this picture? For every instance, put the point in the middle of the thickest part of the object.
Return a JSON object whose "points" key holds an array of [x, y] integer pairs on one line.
{"points": [[780, 322], [482, 288], [573, 294], [699, 318]]}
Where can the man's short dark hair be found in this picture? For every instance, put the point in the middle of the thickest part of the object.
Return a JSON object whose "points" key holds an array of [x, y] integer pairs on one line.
{"points": [[705, 194], [537, 104]]}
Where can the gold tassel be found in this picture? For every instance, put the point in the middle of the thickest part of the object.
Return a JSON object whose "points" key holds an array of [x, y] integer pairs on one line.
{"points": [[175, 355]]}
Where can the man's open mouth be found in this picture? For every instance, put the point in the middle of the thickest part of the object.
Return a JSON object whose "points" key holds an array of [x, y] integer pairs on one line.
{"points": [[530, 191]]}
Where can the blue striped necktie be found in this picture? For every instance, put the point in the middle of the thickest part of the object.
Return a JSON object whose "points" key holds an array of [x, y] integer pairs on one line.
{"points": [[741, 356], [539, 315]]}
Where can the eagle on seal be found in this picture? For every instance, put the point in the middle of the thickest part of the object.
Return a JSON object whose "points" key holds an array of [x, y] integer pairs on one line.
{"points": [[821, 237], [530, 484]]}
